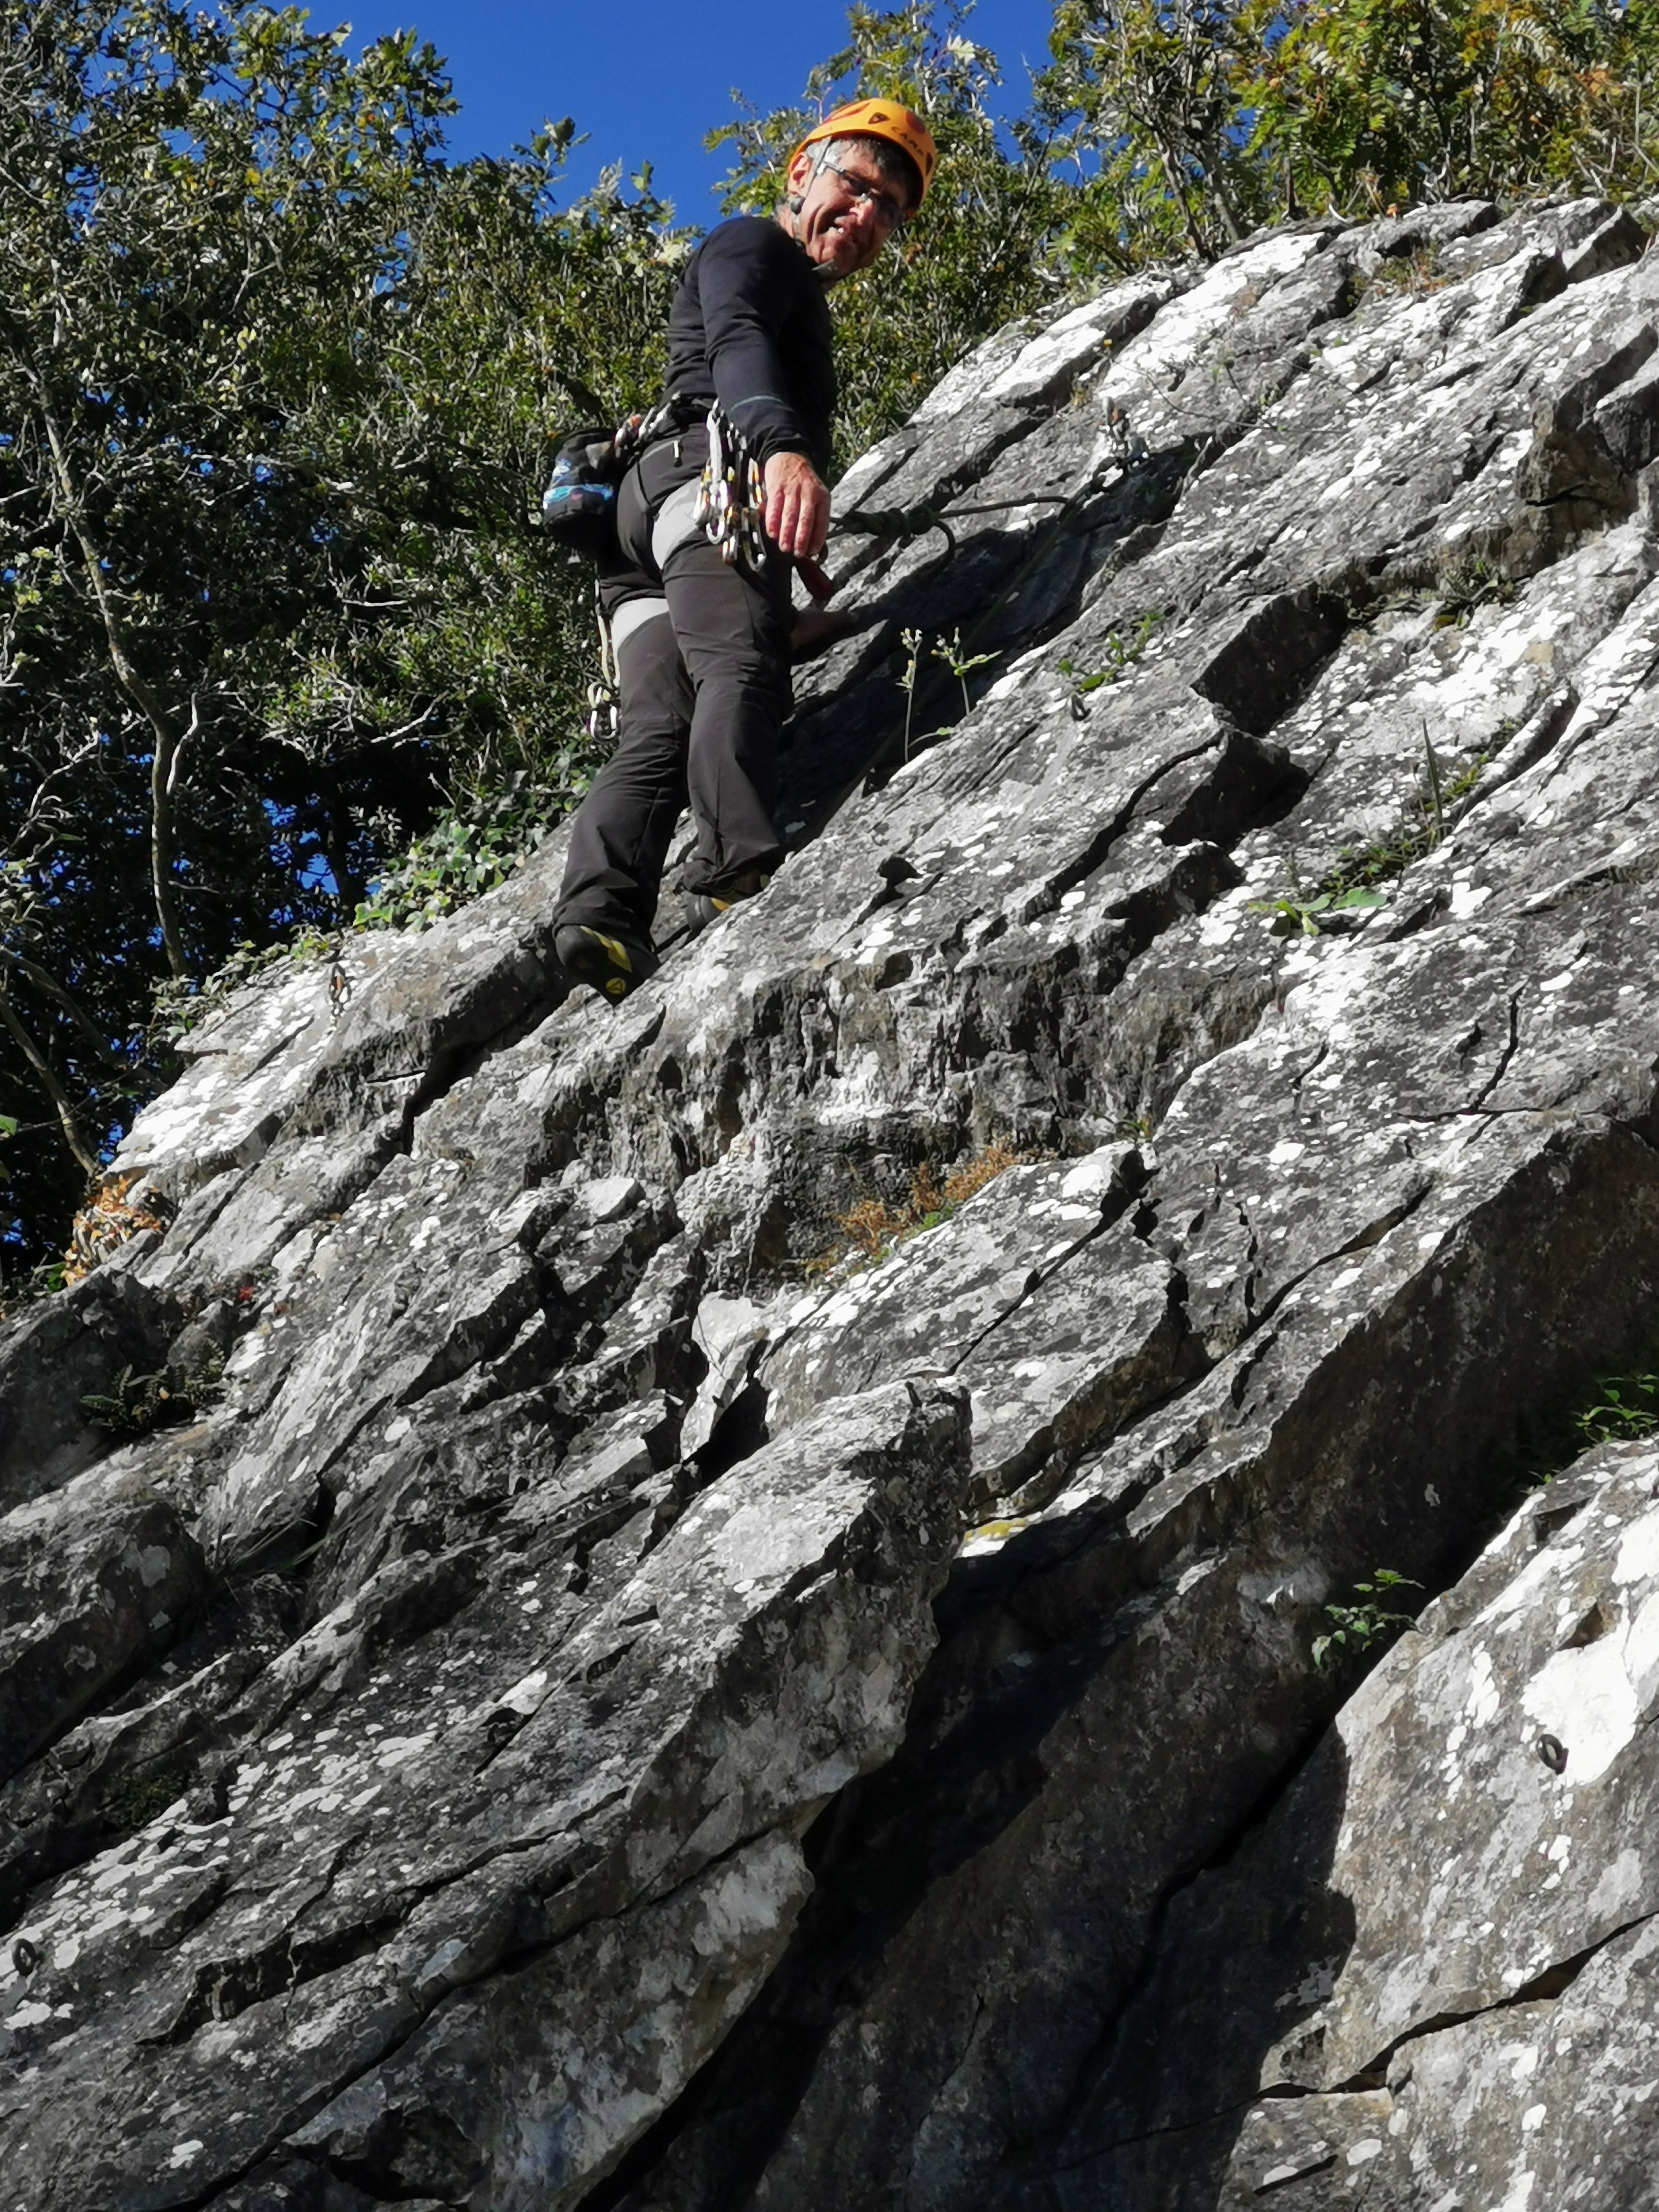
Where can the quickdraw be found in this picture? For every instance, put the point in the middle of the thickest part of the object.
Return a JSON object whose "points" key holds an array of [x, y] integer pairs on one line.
{"points": [[732, 497]]}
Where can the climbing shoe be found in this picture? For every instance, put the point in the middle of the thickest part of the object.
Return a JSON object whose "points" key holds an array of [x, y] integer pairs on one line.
{"points": [[613, 966], [703, 906]]}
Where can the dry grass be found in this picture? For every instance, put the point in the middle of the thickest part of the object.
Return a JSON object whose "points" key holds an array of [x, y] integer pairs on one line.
{"points": [[104, 1225], [872, 1227]]}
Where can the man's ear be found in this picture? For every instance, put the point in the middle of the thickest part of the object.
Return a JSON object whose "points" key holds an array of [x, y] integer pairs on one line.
{"points": [[800, 173]]}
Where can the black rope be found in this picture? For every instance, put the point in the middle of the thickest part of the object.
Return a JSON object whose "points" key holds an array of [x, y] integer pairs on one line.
{"points": [[897, 522], [913, 522]]}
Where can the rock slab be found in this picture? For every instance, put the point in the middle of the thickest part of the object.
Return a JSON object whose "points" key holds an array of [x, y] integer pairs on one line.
{"points": [[609, 1703]]}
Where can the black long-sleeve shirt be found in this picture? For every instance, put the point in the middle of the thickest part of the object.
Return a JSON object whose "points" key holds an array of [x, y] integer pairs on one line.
{"points": [[750, 326]]}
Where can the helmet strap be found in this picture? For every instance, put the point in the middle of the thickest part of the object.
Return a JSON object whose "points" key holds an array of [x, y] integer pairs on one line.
{"points": [[795, 201]]}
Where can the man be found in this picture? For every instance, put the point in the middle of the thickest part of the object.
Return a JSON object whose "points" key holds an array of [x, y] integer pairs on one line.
{"points": [[703, 642]]}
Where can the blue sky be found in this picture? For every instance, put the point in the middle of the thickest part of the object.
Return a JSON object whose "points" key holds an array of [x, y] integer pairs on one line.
{"points": [[646, 81]]}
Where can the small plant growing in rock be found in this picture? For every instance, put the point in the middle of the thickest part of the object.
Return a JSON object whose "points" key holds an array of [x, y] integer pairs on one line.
{"points": [[114, 1212], [949, 650], [961, 664], [1293, 910], [1356, 1627], [1352, 882], [1421, 826], [1466, 583], [1621, 1406], [474, 845], [133, 1801], [133, 1404], [1413, 274], [1119, 652], [43, 1281], [912, 641], [1616, 1408]]}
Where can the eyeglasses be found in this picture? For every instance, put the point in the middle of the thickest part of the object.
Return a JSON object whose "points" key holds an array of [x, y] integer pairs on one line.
{"points": [[890, 212]]}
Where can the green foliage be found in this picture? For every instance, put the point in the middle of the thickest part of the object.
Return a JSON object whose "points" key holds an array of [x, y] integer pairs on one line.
{"points": [[1146, 97], [468, 850], [961, 663], [1364, 103], [951, 653], [1191, 121], [133, 1404], [1421, 826], [1119, 650], [132, 1802], [1619, 1405], [1295, 911], [1358, 1627], [1466, 583], [277, 383], [1351, 883]]}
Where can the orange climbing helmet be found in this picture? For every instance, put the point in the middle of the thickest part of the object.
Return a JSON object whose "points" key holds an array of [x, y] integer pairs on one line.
{"points": [[879, 118]]}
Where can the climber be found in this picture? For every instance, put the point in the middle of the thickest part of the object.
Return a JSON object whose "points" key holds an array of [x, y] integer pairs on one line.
{"points": [[699, 610]]}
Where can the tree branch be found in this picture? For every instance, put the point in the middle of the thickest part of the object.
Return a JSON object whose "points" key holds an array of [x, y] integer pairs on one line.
{"points": [[49, 1083], [168, 740], [44, 980]]}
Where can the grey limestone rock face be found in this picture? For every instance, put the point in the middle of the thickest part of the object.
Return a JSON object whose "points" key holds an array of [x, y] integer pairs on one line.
{"points": [[607, 1703], [1436, 1956], [567, 1797]]}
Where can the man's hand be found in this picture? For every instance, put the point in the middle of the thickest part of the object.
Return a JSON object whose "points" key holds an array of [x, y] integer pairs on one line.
{"points": [[797, 506]]}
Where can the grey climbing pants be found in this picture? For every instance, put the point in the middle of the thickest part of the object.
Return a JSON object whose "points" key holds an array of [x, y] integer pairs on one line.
{"points": [[702, 656]]}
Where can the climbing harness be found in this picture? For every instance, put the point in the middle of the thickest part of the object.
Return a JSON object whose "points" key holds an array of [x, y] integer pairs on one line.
{"points": [[731, 498], [731, 512]]}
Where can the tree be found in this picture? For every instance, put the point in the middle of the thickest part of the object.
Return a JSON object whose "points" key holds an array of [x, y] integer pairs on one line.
{"points": [[1366, 103], [1192, 121], [275, 382], [1145, 96], [201, 221]]}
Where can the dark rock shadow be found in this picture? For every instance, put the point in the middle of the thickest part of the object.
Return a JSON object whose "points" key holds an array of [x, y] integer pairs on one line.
{"points": [[874, 1853], [1244, 1952]]}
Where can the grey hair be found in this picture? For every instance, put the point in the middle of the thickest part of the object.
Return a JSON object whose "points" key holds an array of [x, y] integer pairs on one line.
{"points": [[890, 162]]}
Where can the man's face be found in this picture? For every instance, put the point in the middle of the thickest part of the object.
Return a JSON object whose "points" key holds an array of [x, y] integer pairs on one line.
{"points": [[847, 211]]}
